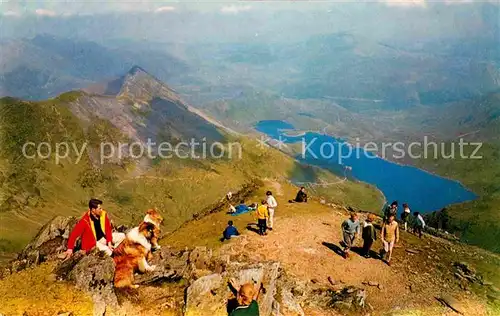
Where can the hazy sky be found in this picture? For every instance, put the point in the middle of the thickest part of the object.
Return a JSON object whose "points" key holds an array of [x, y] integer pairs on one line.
{"points": [[204, 20], [58, 7]]}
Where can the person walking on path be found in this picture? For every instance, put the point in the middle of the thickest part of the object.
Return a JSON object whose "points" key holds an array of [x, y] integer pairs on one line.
{"points": [[419, 224], [390, 210], [405, 216], [369, 235], [262, 214], [350, 230], [390, 236], [271, 206]]}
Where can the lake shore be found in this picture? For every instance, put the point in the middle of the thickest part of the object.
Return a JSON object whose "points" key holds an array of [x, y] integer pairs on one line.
{"points": [[463, 194]]}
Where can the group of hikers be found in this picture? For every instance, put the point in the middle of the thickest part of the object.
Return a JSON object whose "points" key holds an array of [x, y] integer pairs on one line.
{"points": [[351, 229], [95, 230], [263, 213]]}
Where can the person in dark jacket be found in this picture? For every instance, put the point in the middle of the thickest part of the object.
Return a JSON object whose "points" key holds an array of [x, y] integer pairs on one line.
{"points": [[230, 231], [369, 235], [390, 210], [301, 196]]}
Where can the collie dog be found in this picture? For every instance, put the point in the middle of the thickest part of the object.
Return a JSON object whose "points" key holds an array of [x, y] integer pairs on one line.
{"points": [[153, 217], [133, 254]]}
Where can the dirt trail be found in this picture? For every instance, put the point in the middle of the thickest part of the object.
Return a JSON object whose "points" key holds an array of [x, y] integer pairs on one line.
{"points": [[308, 247]]}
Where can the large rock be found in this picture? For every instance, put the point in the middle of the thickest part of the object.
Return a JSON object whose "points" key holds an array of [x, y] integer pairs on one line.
{"points": [[94, 274], [46, 245], [208, 295], [171, 266], [349, 299]]}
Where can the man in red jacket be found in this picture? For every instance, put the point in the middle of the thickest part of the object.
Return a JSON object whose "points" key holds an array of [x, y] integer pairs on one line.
{"points": [[94, 228]]}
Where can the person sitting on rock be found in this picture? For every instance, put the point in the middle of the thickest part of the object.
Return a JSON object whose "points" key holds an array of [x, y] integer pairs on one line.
{"points": [[246, 297], [95, 230], [230, 231], [301, 196], [350, 230]]}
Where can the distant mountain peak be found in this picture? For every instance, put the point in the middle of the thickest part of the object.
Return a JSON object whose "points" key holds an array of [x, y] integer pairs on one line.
{"points": [[137, 69]]}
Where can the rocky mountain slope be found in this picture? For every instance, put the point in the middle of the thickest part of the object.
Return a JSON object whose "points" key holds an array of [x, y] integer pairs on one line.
{"points": [[298, 263], [34, 190]]}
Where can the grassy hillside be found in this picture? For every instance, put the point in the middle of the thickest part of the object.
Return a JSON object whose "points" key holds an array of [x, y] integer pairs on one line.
{"points": [[34, 190], [476, 221]]}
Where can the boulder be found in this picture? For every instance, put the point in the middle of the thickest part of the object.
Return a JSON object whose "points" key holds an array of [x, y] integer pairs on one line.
{"points": [[92, 273], [171, 266], [46, 245], [451, 302], [210, 294], [205, 296], [349, 298]]}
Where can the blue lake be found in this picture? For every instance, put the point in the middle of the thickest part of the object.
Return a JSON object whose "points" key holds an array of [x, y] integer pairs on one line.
{"points": [[423, 191]]}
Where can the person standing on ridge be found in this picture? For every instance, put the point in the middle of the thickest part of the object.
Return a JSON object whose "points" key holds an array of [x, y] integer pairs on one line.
{"points": [[405, 216], [390, 210], [271, 206], [262, 214], [369, 235], [419, 224], [350, 230], [390, 236]]}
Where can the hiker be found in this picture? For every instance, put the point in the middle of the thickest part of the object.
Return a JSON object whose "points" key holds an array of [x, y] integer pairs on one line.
{"points": [[405, 215], [262, 214], [390, 210], [350, 231], [246, 298], [301, 196], [230, 231], [419, 224], [369, 235], [390, 236], [95, 230], [271, 206]]}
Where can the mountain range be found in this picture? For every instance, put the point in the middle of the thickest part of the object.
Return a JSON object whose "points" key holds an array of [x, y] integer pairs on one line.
{"points": [[133, 107]]}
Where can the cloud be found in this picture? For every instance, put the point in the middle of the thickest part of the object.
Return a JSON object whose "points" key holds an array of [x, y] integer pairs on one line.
{"points": [[11, 13], [165, 9], [233, 9], [406, 3], [45, 12]]}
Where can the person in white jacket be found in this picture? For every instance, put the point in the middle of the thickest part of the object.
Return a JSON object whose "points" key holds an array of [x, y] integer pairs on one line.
{"points": [[420, 224], [271, 205]]}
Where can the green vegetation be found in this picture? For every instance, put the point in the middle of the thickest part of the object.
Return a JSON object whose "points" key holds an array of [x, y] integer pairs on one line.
{"points": [[34, 292], [477, 221], [35, 190]]}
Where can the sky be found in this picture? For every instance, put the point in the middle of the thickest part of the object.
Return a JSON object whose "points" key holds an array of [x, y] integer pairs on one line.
{"points": [[229, 20], [71, 7]]}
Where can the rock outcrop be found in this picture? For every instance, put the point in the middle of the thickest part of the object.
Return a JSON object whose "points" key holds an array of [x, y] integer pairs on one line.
{"points": [[205, 278], [46, 245]]}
